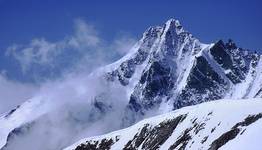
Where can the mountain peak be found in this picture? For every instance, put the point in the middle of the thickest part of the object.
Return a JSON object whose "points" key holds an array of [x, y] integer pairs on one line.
{"points": [[231, 44], [173, 24], [170, 25]]}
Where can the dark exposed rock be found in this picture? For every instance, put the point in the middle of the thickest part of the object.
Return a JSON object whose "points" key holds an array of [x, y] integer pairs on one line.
{"points": [[233, 59], [242, 132], [133, 104], [182, 140], [194, 129], [87, 146], [204, 139], [12, 111], [218, 51], [193, 121], [258, 93], [199, 127], [224, 138], [161, 133], [105, 144], [249, 120], [210, 113], [213, 129], [157, 81], [138, 139], [231, 134], [152, 138], [203, 76], [203, 80]]}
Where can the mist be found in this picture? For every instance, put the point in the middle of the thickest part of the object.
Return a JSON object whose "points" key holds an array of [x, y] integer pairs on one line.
{"points": [[13, 93], [76, 104], [72, 113]]}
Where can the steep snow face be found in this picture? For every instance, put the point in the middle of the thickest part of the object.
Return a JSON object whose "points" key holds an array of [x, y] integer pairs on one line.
{"points": [[166, 69], [223, 124]]}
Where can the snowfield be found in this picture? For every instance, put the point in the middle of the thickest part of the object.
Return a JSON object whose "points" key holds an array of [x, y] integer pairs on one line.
{"points": [[225, 124]]}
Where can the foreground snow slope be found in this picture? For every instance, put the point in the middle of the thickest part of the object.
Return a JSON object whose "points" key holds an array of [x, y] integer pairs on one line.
{"points": [[224, 124]]}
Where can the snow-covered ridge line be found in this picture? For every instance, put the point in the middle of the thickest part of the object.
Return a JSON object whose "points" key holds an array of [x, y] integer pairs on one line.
{"points": [[203, 126]]}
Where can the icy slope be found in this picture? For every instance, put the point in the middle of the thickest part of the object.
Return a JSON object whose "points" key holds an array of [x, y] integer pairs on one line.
{"points": [[224, 124]]}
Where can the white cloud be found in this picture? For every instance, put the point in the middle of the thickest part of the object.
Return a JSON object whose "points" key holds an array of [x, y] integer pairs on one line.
{"points": [[85, 43], [39, 51], [85, 35], [44, 53], [123, 43], [13, 93]]}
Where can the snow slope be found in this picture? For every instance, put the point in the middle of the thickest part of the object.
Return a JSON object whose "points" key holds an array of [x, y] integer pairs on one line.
{"points": [[224, 124]]}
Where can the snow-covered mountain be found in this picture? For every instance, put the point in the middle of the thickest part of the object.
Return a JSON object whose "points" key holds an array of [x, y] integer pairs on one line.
{"points": [[173, 69], [225, 124], [168, 68]]}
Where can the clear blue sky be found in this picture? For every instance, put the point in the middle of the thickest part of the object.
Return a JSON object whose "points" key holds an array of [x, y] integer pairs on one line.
{"points": [[209, 20]]}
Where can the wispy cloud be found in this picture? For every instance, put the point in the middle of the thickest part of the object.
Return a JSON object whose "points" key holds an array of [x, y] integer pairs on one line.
{"points": [[39, 51], [44, 53], [85, 36], [123, 43], [85, 45]]}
